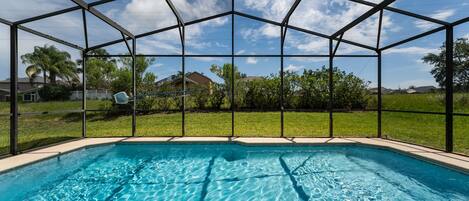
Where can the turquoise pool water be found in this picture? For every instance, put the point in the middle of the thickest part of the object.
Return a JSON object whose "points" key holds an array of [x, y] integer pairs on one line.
{"points": [[233, 172]]}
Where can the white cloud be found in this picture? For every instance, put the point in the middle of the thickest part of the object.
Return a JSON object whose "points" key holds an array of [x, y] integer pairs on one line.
{"points": [[440, 14], [142, 15], [274, 10], [16, 10], [251, 60], [443, 14], [159, 65], [266, 31], [411, 50], [145, 15], [240, 52], [208, 59], [270, 31], [322, 16], [293, 68], [196, 9]]}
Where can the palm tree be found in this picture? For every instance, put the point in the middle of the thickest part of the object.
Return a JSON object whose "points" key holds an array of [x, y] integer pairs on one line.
{"points": [[49, 59]]}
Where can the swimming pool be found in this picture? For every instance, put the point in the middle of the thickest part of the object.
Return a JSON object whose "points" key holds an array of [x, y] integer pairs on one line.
{"points": [[233, 172]]}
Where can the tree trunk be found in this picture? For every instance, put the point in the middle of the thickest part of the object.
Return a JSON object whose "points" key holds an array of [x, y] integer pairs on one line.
{"points": [[52, 78], [45, 78]]}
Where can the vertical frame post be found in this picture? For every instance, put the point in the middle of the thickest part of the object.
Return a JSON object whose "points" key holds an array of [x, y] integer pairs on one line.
{"points": [[378, 51], [183, 36], [14, 89], [232, 71], [84, 59], [83, 95], [134, 87], [449, 88], [331, 89], [282, 40], [380, 100]]}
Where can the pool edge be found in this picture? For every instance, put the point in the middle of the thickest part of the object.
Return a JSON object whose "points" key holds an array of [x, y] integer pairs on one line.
{"points": [[437, 157]]}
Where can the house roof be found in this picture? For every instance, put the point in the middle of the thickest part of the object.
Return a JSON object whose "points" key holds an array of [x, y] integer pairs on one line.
{"points": [[176, 79], [199, 74], [35, 89], [425, 88], [37, 79]]}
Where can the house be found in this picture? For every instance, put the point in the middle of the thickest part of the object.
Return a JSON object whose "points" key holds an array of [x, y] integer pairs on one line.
{"points": [[383, 90], [193, 79], [422, 89], [4, 95], [92, 94], [28, 89]]}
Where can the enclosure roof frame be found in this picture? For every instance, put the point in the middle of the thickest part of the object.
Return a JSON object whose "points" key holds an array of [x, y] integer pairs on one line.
{"points": [[89, 7], [283, 25]]}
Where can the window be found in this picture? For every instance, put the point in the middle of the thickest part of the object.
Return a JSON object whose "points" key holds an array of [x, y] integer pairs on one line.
{"points": [[27, 97]]}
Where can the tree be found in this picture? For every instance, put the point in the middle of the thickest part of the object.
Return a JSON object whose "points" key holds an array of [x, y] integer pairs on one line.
{"points": [[225, 73], [461, 64], [52, 61], [100, 71], [144, 80]]}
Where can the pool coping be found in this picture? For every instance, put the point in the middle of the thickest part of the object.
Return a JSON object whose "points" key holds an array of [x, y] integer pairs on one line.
{"points": [[438, 157]]}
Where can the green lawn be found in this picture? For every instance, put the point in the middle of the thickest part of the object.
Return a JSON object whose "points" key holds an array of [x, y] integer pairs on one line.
{"points": [[434, 102], [429, 130]]}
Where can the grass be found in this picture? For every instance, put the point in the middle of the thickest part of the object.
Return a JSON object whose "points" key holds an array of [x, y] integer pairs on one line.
{"points": [[434, 102], [429, 130]]}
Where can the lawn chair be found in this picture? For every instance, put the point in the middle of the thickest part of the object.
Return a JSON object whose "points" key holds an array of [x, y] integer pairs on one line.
{"points": [[121, 98]]}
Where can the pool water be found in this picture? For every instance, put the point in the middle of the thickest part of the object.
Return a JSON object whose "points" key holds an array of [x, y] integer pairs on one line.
{"points": [[233, 172]]}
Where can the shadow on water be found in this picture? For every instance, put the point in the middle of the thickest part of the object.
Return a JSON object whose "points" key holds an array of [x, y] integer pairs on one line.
{"points": [[433, 176]]}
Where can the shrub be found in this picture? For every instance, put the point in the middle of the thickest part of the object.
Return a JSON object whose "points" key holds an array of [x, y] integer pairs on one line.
{"points": [[146, 104], [217, 97], [263, 93], [463, 100], [200, 95], [54, 92]]}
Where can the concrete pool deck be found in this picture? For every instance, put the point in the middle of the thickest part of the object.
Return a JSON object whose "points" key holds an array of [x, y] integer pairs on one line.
{"points": [[451, 160]]}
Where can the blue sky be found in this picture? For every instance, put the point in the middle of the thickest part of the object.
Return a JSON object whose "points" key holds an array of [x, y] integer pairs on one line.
{"points": [[402, 65]]}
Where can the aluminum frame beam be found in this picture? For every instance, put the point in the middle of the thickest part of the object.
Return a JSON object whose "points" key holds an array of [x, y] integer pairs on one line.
{"points": [[59, 12], [449, 88], [232, 100], [175, 12], [403, 12], [380, 95], [40, 34], [290, 12], [413, 38], [134, 86], [84, 60], [302, 30], [160, 30], [102, 17], [363, 17], [380, 25], [330, 105], [15, 26], [13, 89], [238, 14], [238, 56], [182, 34], [49, 37]]}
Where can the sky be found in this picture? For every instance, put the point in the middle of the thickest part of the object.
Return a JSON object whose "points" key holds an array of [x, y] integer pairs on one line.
{"points": [[402, 65]]}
